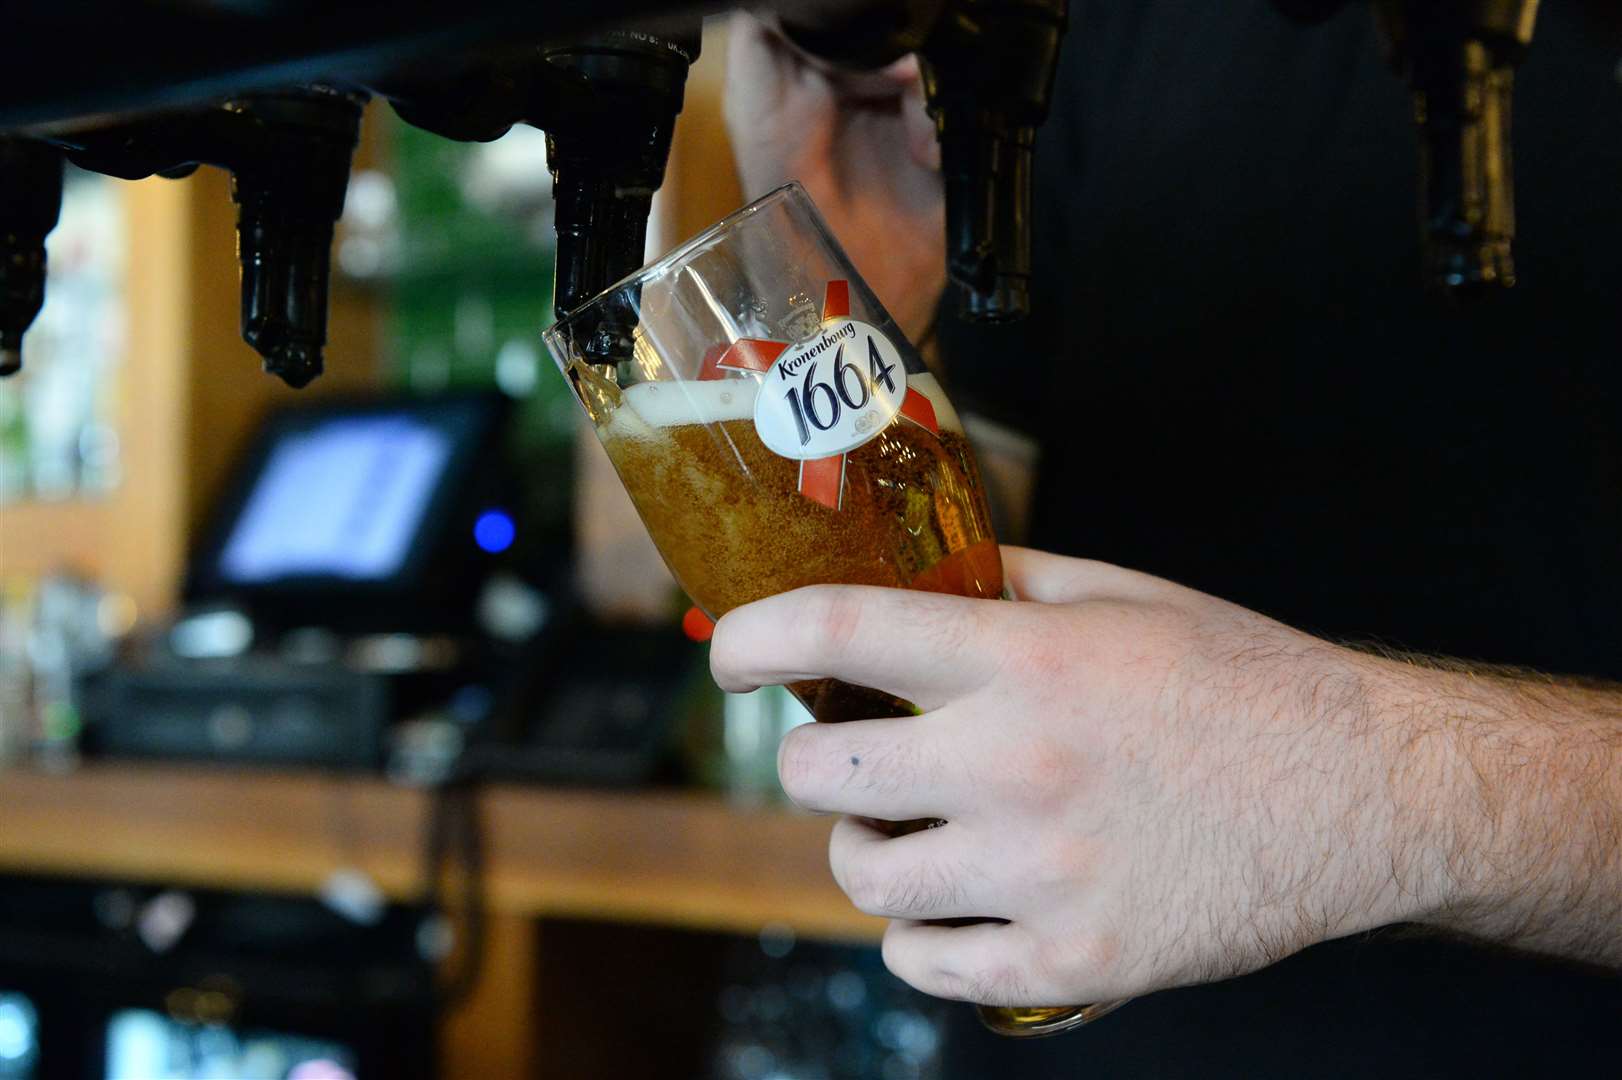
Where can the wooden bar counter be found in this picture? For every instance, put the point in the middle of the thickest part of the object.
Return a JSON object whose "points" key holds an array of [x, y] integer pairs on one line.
{"points": [[669, 858]]}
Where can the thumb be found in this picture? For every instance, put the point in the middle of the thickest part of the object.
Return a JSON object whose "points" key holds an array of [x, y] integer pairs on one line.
{"points": [[1046, 578]]}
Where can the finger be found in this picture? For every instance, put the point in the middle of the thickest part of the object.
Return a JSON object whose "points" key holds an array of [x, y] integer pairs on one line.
{"points": [[990, 963], [905, 71], [891, 770], [927, 874], [928, 648], [1058, 579]]}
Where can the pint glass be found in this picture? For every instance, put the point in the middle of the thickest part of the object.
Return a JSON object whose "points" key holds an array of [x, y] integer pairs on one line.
{"points": [[775, 429]]}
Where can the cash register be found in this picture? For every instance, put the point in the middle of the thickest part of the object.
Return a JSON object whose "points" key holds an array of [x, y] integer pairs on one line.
{"points": [[363, 598], [335, 591]]}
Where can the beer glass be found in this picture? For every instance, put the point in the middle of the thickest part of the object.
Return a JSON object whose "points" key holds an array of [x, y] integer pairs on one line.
{"points": [[775, 429]]}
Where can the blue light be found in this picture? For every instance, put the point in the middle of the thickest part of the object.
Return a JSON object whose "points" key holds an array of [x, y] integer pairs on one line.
{"points": [[17, 1024], [494, 531]]}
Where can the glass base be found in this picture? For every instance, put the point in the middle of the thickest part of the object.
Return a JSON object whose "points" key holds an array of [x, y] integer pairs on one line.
{"points": [[1034, 1022]]}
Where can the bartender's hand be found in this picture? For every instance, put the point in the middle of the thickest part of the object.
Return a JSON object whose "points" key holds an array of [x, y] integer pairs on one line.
{"points": [[1151, 787], [864, 149]]}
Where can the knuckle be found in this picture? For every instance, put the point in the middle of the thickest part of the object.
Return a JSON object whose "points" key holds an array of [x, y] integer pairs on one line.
{"points": [[1097, 952], [1083, 959], [832, 620], [1042, 773], [1069, 859]]}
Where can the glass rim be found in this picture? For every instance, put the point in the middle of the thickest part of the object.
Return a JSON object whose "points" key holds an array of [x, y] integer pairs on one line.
{"points": [[675, 255]]}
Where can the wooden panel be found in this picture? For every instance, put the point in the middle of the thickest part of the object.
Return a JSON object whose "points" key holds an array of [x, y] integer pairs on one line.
{"points": [[491, 1032], [285, 833], [678, 859], [226, 392], [670, 858], [132, 540]]}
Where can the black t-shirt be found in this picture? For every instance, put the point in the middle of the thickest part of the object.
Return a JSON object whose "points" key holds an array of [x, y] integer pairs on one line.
{"points": [[1240, 384]]}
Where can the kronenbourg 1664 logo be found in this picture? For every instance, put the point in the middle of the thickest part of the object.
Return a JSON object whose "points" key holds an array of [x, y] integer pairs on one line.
{"points": [[831, 394], [826, 396]]}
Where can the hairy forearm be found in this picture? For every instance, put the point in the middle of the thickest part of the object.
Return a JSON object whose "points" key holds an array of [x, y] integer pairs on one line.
{"points": [[1525, 775]]}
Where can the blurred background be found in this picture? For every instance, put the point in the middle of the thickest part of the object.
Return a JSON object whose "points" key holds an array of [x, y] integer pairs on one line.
{"points": [[358, 731], [483, 813]]}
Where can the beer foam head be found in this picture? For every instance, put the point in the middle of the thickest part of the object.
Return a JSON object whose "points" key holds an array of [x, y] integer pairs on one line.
{"points": [[649, 406], [670, 404]]}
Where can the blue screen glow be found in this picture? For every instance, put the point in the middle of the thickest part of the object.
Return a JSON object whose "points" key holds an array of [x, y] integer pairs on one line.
{"points": [[19, 1045], [343, 499], [494, 531]]}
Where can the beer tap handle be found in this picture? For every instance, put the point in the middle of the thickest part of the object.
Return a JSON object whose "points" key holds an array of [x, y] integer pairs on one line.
{"points": [[30, 202], [289, 178], [1459, 59], [609, 113], [288, 153], [989, 68], [607, 101]]}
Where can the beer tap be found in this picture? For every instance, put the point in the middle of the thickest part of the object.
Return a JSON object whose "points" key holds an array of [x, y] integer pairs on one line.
{"points": [[1459, 59], [988, 68], [988, 77], [607, 149], [30, 201], [608, 102], [290, 194], [288, 153]]}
